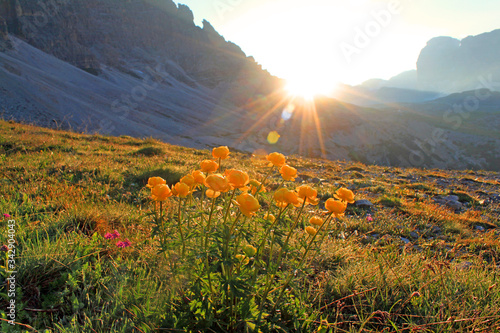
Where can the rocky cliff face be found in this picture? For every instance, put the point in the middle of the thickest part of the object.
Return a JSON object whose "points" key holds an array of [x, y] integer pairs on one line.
{"points": [[5, 43], [131, 35], [450, 65]]}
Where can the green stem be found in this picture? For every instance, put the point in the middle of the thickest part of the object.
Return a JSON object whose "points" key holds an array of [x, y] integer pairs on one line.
{"points": [[207, 233], [179, 223], [301, 262], [278, 263], [263, 181], [261, 247], [228, 208]]}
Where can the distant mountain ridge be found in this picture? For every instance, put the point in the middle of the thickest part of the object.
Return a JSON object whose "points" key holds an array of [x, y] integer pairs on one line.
{"points": [[449, 65], [130, 35], [142, 68]]}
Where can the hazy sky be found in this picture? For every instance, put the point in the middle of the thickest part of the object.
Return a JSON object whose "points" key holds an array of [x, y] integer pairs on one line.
{"points": [[328, 41]]}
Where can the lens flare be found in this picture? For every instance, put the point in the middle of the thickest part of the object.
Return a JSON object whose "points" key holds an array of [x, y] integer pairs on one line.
{"points": [[273, 137], [288, 112]]}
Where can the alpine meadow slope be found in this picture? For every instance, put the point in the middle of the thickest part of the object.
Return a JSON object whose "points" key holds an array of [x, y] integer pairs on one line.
{"points": [[143, 68]]}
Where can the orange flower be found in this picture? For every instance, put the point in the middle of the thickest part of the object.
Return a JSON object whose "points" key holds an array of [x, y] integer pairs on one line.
{"points": [[188, 180], [276, 159], [344, 195], [248, 204], [209, 166], [288, 172], [220, 152], [198, 176], [237, 178], [311, 231], [336, 207], [284, 197], [308, 194], [212, 194], [181, 190], [270, 217], [255, 186], [218, 183], [316, 221], [153, 181], [160, 192]]}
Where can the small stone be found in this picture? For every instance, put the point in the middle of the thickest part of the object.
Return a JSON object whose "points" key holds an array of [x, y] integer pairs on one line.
{"points": [[413, 234], [406, 240], [363, 203], [479, 228]]}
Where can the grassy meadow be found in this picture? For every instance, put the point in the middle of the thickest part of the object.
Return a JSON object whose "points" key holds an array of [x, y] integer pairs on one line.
{"points": [[101, 245]]}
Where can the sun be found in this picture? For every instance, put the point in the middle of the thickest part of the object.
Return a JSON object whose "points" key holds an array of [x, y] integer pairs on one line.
{"points": [[308, 87]]}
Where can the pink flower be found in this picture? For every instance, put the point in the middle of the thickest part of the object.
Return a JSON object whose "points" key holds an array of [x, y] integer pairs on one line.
{"points": [[113, 235], [369, 218], [7, 216], [124, 244]]}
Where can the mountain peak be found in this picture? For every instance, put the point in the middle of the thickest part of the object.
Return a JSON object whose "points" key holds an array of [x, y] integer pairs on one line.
{"points": [[449, 65]]}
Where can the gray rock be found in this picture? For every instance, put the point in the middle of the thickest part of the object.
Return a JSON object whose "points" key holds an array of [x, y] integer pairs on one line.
{"points": [[451, 198], [479, 228], [363, 203], [450, 201], [406, 240], [413, 234], [317, 180]]}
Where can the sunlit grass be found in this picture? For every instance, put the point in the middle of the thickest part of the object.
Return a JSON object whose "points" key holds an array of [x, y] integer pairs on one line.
{"points": [[415, 265]]}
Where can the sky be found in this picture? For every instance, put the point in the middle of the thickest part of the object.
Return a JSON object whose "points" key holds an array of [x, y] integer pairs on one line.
{"points": [[316, 44]]}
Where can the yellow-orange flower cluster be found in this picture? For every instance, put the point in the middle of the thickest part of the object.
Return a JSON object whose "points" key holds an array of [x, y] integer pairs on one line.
{"points": [[161, 192], [338, 207], [237, 179], [308, 194], [221, 152], [316, 220], [248, 204], [234, 179], [181, 190], [335, 207], [288, 172], [344, 195], [208, 166], [311, 231], [276, 159], [216, 184], [198, 176], [284, 197], [153, 181]]}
